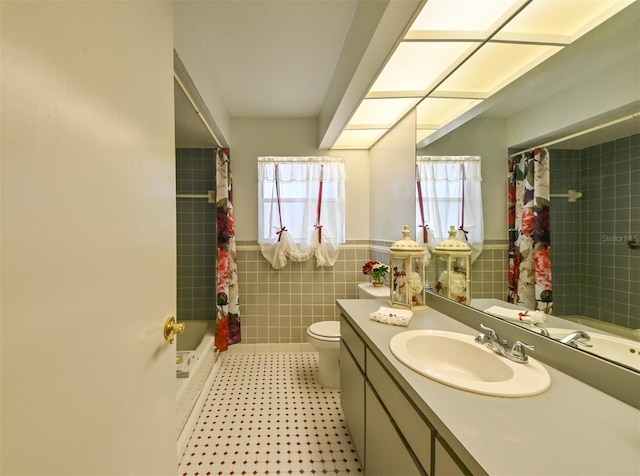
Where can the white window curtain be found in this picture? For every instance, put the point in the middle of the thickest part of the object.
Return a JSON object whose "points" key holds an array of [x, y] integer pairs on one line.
{"points": [[301, 209], [449, 194]]}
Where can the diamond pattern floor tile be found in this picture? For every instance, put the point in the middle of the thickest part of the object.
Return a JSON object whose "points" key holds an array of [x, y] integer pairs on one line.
{"points": [[265, 415]]}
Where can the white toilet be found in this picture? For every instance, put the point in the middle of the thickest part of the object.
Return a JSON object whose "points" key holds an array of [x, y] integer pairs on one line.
{"points": [[325, 338]]}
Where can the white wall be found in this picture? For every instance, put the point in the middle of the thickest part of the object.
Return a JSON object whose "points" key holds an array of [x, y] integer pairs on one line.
{"points": [[197, 63], [393, 183], [290, 137]]}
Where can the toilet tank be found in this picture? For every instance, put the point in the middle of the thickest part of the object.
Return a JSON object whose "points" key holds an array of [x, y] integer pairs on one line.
{"points": [[369, 291]]}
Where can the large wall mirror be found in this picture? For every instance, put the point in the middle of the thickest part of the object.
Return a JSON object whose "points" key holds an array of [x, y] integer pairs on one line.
{"points": [[583, 105]]}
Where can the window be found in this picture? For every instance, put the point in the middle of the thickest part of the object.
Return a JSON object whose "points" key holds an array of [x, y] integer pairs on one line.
{"points": [[449, 194], [301, 210]]}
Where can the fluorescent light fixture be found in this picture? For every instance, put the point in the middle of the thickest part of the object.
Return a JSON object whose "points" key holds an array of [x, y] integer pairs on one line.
{"points": [[480, 16], [419, 66], [381, 113], [459, 52], [358, 139], [433, 113], [568, 18], [494, 66], [423, 134]]}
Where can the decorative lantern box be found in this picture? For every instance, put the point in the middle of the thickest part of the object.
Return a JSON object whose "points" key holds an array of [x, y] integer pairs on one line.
{"points": [[453, 268], [407, 263]]}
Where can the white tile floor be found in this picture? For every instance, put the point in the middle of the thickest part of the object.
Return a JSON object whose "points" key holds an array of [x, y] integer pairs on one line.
{"points": [[265, 415]]}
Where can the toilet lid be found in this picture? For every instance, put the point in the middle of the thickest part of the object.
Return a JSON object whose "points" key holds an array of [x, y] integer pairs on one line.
{"points": [[327, 329]]}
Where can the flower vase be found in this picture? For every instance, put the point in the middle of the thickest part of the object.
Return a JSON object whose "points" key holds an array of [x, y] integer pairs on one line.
{"points": [[377, 282]]}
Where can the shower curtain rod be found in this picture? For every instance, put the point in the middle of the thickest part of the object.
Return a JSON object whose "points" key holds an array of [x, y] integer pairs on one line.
{"points": [[578, 134], [195, 108]]}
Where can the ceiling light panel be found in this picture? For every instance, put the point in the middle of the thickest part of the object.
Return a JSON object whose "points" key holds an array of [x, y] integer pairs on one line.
{"points": [[494, 65], [455, 55], [566, 18], [423, 134], [381, 113], [419, 66], [465, 15], [358, 139], [433, 113]]}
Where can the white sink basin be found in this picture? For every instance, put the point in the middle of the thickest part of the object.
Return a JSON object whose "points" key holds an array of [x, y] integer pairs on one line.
{"points": [[616, 348], [458, 361]]}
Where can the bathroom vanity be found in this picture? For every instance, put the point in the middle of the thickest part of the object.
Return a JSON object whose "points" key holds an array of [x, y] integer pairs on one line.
{"points": [[403, 423]]}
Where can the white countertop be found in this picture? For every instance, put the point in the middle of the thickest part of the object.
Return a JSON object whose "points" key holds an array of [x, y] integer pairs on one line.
{"points": [[571, 429]]}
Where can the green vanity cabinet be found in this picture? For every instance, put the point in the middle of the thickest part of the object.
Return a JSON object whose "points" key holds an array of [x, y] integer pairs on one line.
{"points": [[390, 435], [380, 448], [404, 423], [415, 431], [445, 465], [352, 383], [386, 453]]}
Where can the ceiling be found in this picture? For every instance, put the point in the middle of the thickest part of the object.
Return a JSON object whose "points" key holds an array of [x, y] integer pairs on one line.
{"points": [[287, 58], [271, 58]]}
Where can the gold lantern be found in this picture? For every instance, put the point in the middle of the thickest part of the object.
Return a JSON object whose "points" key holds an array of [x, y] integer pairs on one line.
{"points": [[408, 262], [453, 268]]}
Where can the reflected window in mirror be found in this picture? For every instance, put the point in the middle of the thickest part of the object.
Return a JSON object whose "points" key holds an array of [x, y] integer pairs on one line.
{"points": [[449, 194]]}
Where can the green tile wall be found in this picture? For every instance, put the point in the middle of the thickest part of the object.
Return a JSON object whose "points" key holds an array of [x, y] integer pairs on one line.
{"points": [[595, 273], [196, 240]]}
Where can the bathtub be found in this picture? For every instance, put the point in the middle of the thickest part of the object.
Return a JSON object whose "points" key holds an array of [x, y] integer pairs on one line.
{"points": [[196, 357]]}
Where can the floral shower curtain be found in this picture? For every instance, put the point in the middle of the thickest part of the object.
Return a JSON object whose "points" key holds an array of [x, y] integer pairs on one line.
{"points": [[228, 302], [529, 231]]}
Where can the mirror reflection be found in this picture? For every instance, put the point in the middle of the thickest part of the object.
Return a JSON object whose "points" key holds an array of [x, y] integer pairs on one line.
{"points": [[588, 211]]}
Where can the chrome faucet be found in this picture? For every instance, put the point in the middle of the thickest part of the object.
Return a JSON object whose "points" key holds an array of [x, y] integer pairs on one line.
{"points": [[577, 338], [543, 331], [500, 346]]}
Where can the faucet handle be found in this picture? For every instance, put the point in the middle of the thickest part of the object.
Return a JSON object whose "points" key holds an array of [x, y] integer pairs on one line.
{"points": [[491, 332], [518, 350]]}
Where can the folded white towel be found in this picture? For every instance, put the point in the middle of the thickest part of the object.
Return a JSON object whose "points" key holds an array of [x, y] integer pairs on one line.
{"points": [[535, 317], [389, 315]]}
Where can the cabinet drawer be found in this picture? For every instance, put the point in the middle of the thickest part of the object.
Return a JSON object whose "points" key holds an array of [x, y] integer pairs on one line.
{"points": [[414, 429], [351, 339]]}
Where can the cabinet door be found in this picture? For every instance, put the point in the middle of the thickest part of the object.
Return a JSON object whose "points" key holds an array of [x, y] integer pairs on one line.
{"points": [[413, 428], [445, 465], [352, 398], [386, 454]]}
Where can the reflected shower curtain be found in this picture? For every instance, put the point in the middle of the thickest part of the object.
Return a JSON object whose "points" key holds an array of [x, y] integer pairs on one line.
{"points": [[228, 302], [529, 231]]}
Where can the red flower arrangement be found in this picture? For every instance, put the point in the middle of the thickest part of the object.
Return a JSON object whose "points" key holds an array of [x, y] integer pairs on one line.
{"points": [[375, 269]]}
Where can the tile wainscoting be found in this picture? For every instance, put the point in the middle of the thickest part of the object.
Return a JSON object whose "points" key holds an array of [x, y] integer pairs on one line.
{"points": [[277, 306]]}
